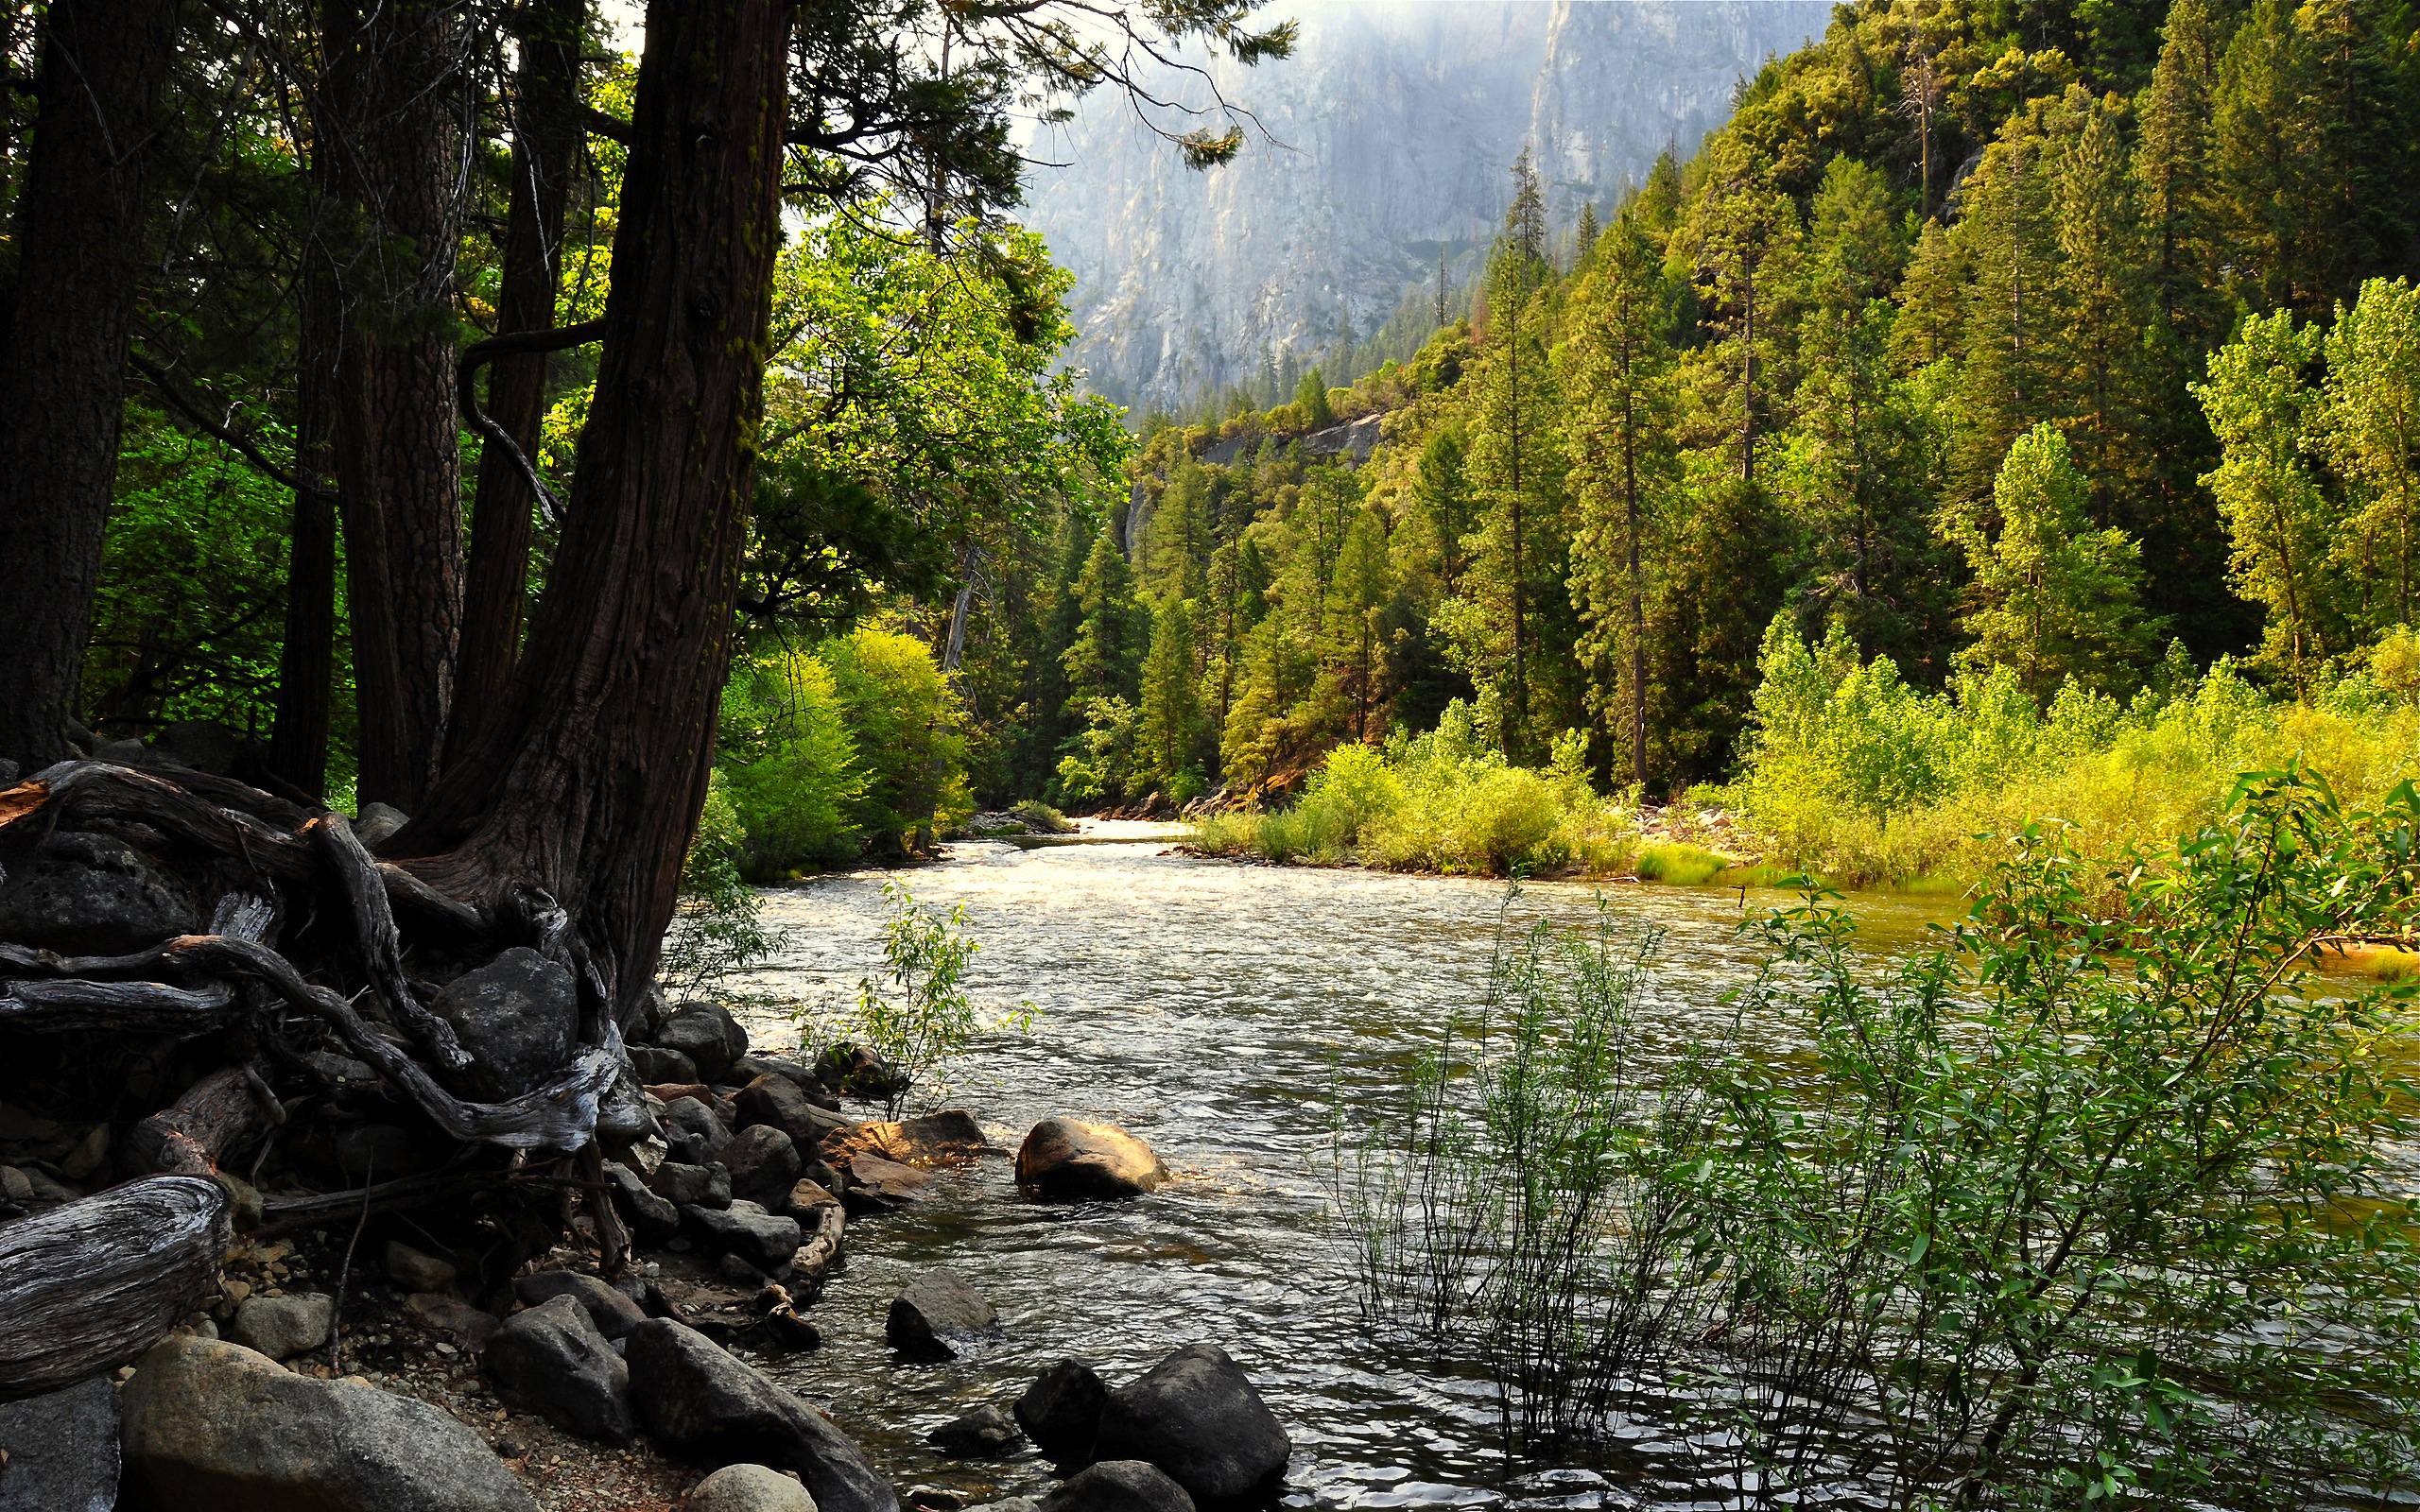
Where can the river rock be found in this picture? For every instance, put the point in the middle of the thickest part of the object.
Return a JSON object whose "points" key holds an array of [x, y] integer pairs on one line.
{"points": [[656, 1065], [707, 1034], [698, 1399], [471, 1326], [415, 1270], [1061, 1411], [283, 1327], [653, 1219], [939, 1316], [1119, 1485], [62, 1449], [986, 1433], [779, 1101], [519, 1018], [550, 1360], [747, 1489], [212, 1427], [764, 1165], [747, 1068], [695, 1132], [859, 1071], [1072, 1161], [1195, 1415], [764, 1240], [935, 1139], [691, 1186], [92, 895], [875, 1182], [606, 1305]]}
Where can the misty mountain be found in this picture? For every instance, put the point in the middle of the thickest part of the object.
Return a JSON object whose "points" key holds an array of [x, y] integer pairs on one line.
{"points": [[1389, 137]]}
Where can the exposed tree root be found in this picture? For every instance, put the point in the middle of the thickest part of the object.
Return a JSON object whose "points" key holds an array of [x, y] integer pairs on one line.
{"points": [[91, 1283]]}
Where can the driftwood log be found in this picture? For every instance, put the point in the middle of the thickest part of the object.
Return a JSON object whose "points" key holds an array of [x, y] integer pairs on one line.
{"points": [[89, 1286]]}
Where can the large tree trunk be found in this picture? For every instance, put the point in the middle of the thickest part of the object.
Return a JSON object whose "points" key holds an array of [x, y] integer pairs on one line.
{"points": [[391, 117], [589, 783], [306, 661], [545, 154], [62, 347]]}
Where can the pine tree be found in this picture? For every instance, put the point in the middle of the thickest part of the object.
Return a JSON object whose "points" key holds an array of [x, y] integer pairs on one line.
{"points": [[2053, 598], [2007, 376], [2369, 414], [1619, 368], [2173, 166], [1172, 713], [1740, 242], [1104, 657], [1441, 491], [2106, 303], [1310, 397], [1361, 588], [2277, 516]]}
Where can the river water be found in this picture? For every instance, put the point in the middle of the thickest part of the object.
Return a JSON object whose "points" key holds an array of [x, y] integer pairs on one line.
{"points": [[1221, 1011]]}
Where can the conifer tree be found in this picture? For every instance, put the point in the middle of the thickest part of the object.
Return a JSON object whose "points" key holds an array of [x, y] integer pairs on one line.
{"points": [[1104, 656], [1172, 711], [2370, 416], [2053, 598], [1619, 368]]}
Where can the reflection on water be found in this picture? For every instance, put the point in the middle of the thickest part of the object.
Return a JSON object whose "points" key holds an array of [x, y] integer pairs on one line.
{"points": [[1221, 1011]]}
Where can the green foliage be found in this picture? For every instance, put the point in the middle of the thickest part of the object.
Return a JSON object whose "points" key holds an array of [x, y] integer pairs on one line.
{"points": [[2075, 1206], [906, 719], [718, 927], [917, 1014]]}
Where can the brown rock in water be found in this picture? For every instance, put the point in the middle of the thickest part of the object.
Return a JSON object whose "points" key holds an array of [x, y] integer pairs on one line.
{"points": [[935, 1139], [1076, 1162], [878, 1183]]}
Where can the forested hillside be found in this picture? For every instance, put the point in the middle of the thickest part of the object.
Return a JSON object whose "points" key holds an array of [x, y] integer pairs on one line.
{"points": [[2055, 354]]}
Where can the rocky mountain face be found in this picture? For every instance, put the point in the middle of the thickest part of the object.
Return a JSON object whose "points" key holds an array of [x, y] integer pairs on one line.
{"points": [[1389, 137]]}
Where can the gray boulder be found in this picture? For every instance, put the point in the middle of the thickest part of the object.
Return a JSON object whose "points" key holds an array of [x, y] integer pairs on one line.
{"points": [[986, 1433], [61, 1450], [283, 1327], [765, 1240], [415, 1270], [939, 1316], [1061, 1411], [212, 1427], [691, 1186], [1195, 1415], [747, 1489], [606, 1305], [1072, 1160], [747, 1068], [779, 1101], [764, 1165], [651, 1218], [658, 1067], [92, 895], [550, 1360], [697, 1398], [707, 1034], [1119, 1485], [696, 1132], [519, 1018], [376, 823]]}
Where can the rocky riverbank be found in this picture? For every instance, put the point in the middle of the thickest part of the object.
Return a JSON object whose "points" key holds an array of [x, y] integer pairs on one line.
{"points": [[386, 1367]]}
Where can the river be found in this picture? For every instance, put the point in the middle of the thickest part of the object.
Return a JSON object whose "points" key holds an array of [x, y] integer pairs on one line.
{"points": [[1220, 1010]]}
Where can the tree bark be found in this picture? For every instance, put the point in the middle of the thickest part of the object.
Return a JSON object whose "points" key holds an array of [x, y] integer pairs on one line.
{"points": [[391, 116], [545, 154], [63, 345], [589, 783], [298, 750]]}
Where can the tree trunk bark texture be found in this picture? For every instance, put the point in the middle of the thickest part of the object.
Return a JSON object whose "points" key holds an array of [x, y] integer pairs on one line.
{"points": [[589, 783], [63, 345], [391, 116]]}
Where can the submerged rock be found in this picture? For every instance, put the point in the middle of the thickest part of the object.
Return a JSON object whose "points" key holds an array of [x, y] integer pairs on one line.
{"points": [[212, 1427], [1061, 1411], [875, 1182], [1072, 1161], [939, 1316], [1119, 1485], [1195, 1415], [984, 1434]]}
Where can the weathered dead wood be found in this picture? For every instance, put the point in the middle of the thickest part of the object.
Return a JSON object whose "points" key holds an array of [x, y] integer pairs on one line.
{"points": [[51, 1005], [373, 934], [89, 1286], [292, 1214], [228, 1110]]}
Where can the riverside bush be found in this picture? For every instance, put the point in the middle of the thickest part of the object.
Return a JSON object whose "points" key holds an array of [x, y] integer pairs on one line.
{"points": [[2101, 1199], [1855, 775], [1443, 801]]}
